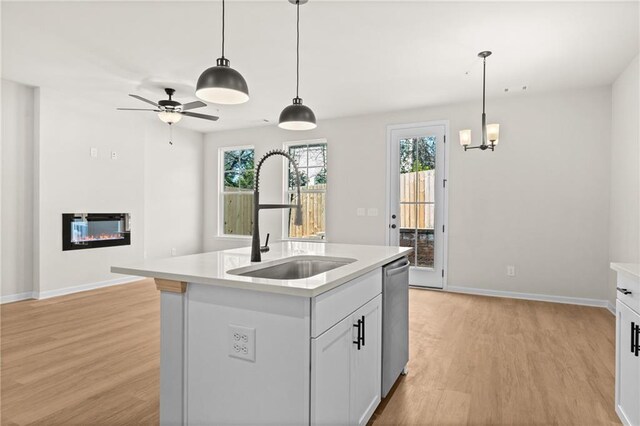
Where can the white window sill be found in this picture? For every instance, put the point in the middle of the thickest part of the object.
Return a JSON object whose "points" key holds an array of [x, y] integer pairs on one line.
{"points": [[304, 240], [233, 237]]}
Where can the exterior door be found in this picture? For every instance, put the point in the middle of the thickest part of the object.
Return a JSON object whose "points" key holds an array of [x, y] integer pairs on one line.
{"points": [[416, 193]]}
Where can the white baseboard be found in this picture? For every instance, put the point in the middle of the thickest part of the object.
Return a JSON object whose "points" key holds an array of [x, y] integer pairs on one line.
{"points": [[611, 307], [17, 297], [531, 296], [85, 287]]}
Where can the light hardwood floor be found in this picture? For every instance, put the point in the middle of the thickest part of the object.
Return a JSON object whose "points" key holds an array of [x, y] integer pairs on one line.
{"points": [[93, 359]]}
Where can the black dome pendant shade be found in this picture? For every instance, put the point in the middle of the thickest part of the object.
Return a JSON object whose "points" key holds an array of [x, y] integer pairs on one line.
{"points": [[222, 84], [297, 116]]}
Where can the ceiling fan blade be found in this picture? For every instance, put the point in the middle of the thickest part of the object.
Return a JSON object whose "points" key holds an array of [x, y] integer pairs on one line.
{"points": [[193, 105], [137, 109], [144, 100], [196, 115]]}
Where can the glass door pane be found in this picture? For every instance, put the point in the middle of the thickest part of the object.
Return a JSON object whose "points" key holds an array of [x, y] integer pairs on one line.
{"points": [[417, 198]]}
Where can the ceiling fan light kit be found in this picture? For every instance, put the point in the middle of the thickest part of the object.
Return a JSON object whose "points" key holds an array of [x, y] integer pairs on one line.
{"points": [[170, 117], [222, 84], [297, 116], [490, 132]]}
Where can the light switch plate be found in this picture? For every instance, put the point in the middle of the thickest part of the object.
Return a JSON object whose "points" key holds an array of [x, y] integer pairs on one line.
{"points": [[242, 342], [372, 211], [360, 211], [93, 152], [114, 155]]}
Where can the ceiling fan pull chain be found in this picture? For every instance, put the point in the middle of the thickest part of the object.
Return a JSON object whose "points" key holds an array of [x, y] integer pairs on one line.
{"points": [[170, 134]]}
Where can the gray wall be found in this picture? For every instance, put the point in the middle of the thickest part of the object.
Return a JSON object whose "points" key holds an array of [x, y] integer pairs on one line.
{"points": [[625, 170], [159, 184], [18, 111], [539, 202]]}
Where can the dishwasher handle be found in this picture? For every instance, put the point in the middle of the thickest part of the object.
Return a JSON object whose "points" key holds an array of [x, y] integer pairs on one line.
{"points": [[395, 271]]}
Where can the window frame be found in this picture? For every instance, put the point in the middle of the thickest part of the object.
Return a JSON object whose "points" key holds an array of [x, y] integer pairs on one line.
{"points": [[286, 191], [222, 193]]}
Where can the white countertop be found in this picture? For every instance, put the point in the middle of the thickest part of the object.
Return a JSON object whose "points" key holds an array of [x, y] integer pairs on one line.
{"points": [[628, 268], [211, 268]]}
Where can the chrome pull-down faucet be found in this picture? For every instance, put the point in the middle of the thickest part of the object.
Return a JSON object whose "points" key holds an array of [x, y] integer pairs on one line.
{"points": [[255, 237]]}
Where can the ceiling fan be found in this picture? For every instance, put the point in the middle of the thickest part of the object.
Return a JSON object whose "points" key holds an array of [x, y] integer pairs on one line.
{"points": [[171, 111]]}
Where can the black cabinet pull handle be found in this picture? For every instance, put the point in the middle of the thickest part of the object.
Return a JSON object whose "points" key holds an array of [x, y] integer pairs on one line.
{"points": [[637, 340], [633, 337], [357, 341], [363, 330], [623, 290]]}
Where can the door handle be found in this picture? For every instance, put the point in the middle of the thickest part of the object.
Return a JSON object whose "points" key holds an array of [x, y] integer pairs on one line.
{"points": [[393, 226], [358, 339], [623, 290]]}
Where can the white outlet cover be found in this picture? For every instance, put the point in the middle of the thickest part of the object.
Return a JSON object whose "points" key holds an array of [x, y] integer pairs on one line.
{"points": [[511, 271], [242, 342], [114, 155]]}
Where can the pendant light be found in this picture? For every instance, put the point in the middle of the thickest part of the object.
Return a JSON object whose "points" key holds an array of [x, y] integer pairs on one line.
{"points": [[490, 132], [222, 84], [297, 116]]}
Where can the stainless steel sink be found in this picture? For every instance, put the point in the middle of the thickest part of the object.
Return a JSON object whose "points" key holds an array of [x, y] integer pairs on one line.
{"points": [[294, 268]]}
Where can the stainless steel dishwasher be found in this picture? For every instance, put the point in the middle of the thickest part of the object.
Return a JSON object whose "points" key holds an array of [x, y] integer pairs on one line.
{"points": [[395, 322]]}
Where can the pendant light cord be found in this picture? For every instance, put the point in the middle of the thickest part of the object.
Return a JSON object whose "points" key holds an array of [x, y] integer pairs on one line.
{"points": [[484, 71], [223, 28], [297, 47]]}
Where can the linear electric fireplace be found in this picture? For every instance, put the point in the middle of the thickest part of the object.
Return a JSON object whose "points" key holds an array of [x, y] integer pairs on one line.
{"points": [[93, 230]]}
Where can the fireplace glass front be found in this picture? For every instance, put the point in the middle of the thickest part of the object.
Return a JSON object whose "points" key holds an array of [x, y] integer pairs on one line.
{"points": [[92, 230]]}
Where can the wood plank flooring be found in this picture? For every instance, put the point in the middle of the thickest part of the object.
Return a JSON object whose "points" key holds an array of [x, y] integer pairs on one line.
{"points": [[493, 361], [92, 358]]}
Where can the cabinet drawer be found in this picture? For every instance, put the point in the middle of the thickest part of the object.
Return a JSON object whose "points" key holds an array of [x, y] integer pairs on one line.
{"points": [[631, 284], [331, 307]]}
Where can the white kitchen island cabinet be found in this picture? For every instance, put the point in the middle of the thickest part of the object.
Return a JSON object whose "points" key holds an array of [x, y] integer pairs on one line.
{"points": [[346, 368], [243, 350], [627, 392]]}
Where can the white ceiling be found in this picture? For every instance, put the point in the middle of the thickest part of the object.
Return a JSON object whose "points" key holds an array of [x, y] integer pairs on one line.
{"points": [[356, 57]]}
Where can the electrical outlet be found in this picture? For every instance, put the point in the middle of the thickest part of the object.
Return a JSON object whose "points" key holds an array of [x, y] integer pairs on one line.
{"points": [[114, 155], [511, 271], [242, 342], [174, 251]]}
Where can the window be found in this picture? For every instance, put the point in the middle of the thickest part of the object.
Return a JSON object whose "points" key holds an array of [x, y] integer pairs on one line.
{"points": [[236, 204], [311, 158]]}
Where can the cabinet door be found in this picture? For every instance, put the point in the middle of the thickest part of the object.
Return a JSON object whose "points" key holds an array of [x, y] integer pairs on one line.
{"points": [[331, 354], [366, 363], [627, 365]]}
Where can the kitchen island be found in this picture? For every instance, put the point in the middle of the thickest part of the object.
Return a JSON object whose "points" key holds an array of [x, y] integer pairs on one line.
{"points": [[294, 339]]}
